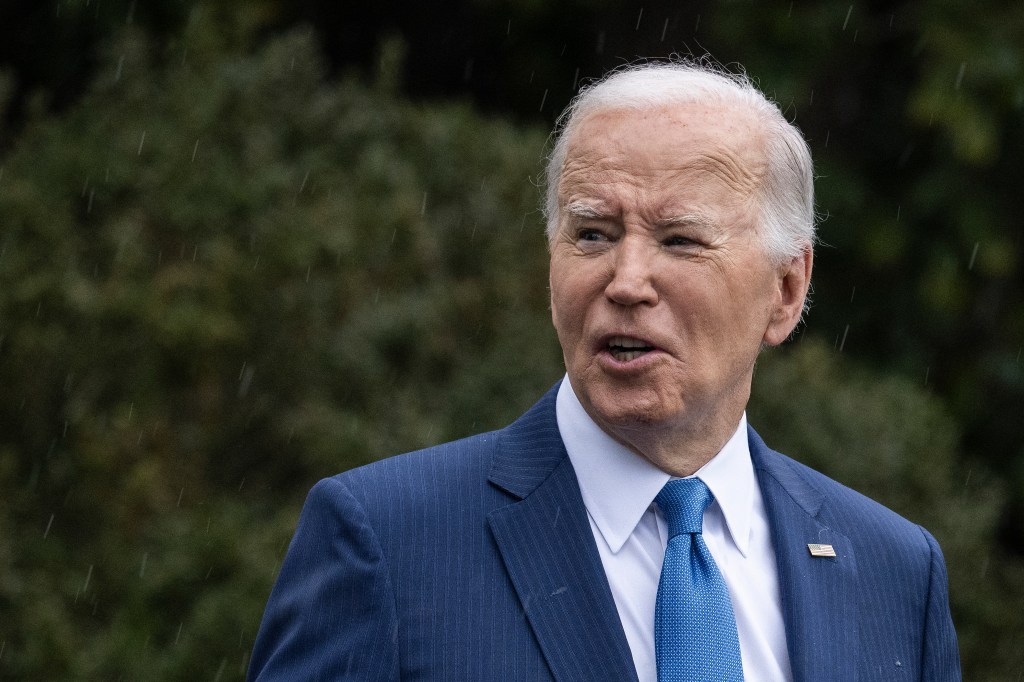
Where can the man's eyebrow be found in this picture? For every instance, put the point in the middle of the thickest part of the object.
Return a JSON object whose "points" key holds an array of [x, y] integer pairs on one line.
{"points": [[580, 209], [695, 219]]}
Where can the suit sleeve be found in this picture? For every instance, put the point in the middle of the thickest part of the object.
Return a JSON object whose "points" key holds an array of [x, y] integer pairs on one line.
{"points": [[331, 614], [941, 655]]}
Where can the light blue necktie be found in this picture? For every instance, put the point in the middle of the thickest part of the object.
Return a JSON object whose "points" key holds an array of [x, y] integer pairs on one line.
{"points": [[695, 636]]}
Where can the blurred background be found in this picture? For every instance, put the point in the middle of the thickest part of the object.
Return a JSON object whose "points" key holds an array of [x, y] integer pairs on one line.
{"points": [[246, 245]]}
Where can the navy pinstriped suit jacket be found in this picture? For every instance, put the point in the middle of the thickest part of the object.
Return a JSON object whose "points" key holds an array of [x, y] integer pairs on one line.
{"points": [[475, 561]]}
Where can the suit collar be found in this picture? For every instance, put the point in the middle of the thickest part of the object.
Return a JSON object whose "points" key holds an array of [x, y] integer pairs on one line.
{"points": [[529, 449], [819, 598], [546, 543]]}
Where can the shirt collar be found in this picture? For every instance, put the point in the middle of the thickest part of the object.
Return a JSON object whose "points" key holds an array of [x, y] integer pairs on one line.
{"points": [[618, 485]]}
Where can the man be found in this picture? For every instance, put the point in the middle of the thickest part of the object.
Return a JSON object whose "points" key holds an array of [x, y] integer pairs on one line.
{"points": [[629, 526]]}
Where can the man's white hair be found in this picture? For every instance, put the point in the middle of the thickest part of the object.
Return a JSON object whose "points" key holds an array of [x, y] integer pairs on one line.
{"points": [[786, 203]]}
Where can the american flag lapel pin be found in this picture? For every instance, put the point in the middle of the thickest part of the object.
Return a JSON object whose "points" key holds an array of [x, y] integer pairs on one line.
{"points": [[821, 550]]}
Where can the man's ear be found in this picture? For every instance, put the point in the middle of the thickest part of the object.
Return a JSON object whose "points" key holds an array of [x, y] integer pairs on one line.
{"points": [[794, 280]]}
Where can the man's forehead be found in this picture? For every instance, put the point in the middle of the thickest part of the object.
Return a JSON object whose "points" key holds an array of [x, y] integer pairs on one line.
{"points": [[692, 119], [664, 144]]}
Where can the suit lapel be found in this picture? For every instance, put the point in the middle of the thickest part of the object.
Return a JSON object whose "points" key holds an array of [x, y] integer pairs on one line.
{"points": [[819, 599], [548, 549]]}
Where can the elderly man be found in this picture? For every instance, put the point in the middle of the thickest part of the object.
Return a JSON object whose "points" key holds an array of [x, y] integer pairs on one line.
{"points": [[629, 526]]}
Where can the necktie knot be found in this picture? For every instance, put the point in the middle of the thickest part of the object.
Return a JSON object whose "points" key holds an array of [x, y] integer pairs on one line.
{"points": [[682, 502]]}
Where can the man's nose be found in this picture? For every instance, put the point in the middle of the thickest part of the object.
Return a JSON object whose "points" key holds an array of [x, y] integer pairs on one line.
{"points": [[631, 280]]}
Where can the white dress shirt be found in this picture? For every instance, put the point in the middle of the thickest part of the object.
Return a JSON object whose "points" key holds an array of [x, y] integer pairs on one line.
{"points": [[619, 487]]}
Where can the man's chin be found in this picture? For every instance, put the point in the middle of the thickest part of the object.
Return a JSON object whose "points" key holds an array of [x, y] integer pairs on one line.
{"points": [[622, 410]]}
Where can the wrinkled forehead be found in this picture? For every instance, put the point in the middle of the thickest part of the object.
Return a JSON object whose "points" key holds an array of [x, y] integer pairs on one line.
{"points": [[664, 130], [676, 143]]}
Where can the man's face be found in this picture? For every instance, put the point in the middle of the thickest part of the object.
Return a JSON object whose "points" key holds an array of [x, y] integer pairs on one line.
{"points": [[661, 292]]}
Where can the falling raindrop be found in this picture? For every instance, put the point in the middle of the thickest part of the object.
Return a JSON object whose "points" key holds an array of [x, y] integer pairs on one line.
{"points": [[974, 254], [847, 19], [142, 568], [49, 524], [142, 141], [960, 75], [664, 29], [638, 18], [245, 381]]}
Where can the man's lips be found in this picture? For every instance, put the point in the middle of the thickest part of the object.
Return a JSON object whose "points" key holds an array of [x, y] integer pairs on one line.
{"points": [[626, 348]]}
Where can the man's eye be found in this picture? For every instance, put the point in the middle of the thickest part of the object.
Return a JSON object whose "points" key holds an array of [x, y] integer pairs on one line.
{"points": [[677, 240], [589, 235]]}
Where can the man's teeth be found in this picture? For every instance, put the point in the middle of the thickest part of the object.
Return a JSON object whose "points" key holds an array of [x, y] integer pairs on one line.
{"points": [[625, 348], [627, 342]]}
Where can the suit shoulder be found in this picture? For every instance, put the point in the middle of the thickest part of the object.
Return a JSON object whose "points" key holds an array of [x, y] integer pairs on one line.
{"points": [[464, 454], [409, 480], [852, 512]]}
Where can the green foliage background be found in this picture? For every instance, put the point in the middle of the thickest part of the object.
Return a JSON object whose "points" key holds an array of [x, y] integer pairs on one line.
{"points": [[225, 274]]}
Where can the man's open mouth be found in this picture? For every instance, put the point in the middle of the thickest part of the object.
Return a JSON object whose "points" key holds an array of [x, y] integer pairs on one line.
{"points": [[625, 348]]}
